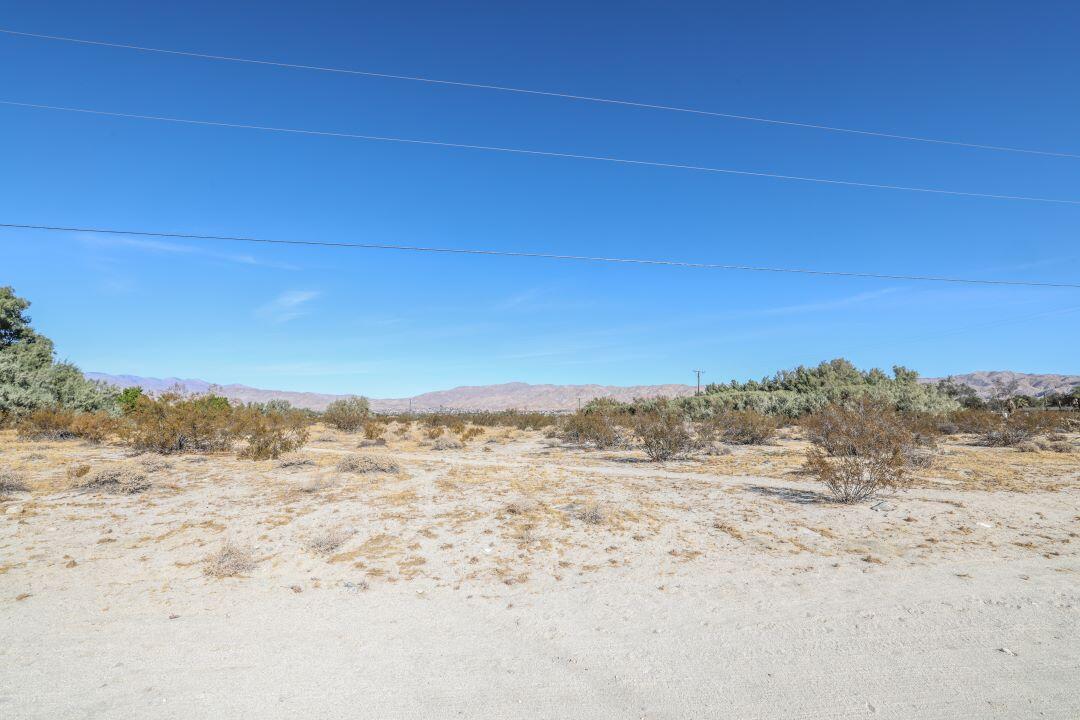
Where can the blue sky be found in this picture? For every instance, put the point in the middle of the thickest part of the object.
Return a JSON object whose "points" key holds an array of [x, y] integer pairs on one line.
{"points": [[389, 324]]}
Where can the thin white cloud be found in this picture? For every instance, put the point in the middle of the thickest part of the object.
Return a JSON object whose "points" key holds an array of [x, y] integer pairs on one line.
{"points": [[287, 306], [160, 246], [836, 304]]}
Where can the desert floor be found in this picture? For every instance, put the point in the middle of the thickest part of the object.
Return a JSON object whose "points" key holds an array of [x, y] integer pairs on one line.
{"points": [[518, 578]]}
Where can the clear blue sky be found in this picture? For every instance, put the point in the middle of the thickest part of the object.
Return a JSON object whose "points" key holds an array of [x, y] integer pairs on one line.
{"points": [[387, 324]]}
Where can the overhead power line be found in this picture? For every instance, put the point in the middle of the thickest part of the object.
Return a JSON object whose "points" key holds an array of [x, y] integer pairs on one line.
{"points": [[544, 93], [542, 153], [539, 255]]}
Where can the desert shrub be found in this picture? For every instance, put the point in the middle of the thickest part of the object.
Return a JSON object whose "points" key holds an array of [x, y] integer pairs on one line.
{"points": [[470, 433], [121, 479], [446, 443], [664, 435], [373, 430], [129, 398], [328, 541], [362, 464], [742, 427], [269, 434], [348, 414], [595, 426], [173, 423], [11, 481], [434, 431], [1007, 430], [859, 449], [61, 424], [974, 420], [46, 424], [231, 560], [590, 514]]}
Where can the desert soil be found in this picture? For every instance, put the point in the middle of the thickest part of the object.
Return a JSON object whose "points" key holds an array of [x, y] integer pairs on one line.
{"points": [[518, 578]]}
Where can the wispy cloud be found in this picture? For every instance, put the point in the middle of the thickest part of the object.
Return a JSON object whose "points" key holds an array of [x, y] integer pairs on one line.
{"points": [[163, 247], [835, 304], [287, 306]]}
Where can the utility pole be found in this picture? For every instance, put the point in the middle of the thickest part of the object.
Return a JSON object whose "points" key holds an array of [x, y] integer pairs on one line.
{"points": [[698, 373]]}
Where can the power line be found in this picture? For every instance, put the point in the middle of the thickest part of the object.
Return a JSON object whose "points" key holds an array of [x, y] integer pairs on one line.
{"points": [[547, 256], [566, 96], [541, 153]]}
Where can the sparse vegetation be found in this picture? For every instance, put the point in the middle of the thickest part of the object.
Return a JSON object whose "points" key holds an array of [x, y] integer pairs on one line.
{"points": [[664, 435], [590, 514], [860, 449], [121, 479], [327, 541], [742, 427], [271, 433], [230, 561], [362, 464], [11, 481]]}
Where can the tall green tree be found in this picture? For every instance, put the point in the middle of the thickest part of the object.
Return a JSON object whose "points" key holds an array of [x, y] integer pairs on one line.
{"points": [[30, 376]]}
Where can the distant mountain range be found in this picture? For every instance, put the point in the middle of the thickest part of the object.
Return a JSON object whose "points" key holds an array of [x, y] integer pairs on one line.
{"points": [[525, 396]]}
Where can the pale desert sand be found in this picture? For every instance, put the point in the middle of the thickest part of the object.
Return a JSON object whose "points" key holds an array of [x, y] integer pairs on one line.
{"points": [[514, 579]]}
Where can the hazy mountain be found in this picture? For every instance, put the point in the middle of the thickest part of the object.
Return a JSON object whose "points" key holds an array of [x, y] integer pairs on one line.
{"points": [[1027, 383], [534, 397], [483, 397]]}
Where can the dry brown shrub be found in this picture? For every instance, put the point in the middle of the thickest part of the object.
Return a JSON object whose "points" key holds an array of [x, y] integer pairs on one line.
{"points": [[121, 479], [58, 424], [591, 514], [433, 431], [269, 435], [173, 423], [446, 443], [327, 541], [859, 449], [741, 427], [470, 433], [1000, 430], [593, 426], [664, 435], [362, 464], [231, 560], [374, 430], [11, 481], [79, 470]]}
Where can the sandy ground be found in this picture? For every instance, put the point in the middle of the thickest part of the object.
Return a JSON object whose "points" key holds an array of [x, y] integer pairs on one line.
{"points": [[514, 578]]}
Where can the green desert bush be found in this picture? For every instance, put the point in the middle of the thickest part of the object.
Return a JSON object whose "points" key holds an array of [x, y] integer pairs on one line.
{"points": [[348, 414], [859, 449]]}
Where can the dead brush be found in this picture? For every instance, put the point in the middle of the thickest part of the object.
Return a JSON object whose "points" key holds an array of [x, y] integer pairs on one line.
{"points": [[446, 443], [363, 464], [327, 541], [294, 461], [859, 449], [519, 507], [590, 514], [470, 433], [120, 479], [230, 561], [76, 471], [11, 481]]}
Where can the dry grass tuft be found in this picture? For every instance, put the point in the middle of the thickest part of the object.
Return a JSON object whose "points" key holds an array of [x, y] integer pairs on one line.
{"points": [[121, 479], [294, 461], [313, 484], [520, 507], [328, 541], [11, 481], [362, 464], [231, 560]]}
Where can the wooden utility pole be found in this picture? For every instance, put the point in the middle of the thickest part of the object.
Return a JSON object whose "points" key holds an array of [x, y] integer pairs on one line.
{"points": [[698, 373]]}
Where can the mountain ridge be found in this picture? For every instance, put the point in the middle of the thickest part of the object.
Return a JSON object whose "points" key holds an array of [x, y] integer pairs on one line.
{"points": [[540, 397]]}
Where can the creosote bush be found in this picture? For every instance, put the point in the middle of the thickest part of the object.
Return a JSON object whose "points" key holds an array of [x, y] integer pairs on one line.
{"points": [[61, 424], [664, 435], [742, 427], [348, 414], [270, 434], [859, 449], [598, 424], [172, 423]]}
